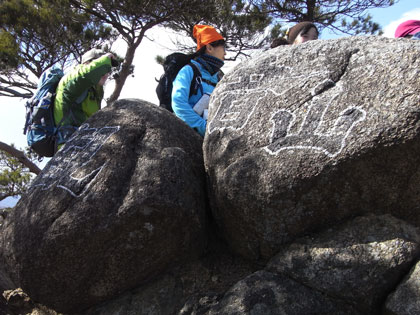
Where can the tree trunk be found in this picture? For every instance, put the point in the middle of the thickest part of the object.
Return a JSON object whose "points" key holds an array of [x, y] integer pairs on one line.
{"points": [[124, 73], [310, 6]]}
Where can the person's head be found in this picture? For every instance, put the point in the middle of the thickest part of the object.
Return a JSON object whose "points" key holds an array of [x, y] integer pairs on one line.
{"points": [[92, 55], [407, 29], [209, 41], [302, 32]]}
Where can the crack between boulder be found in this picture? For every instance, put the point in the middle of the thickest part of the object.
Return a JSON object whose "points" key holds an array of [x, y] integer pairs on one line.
{"points": [[331, 82], [322, 87]]}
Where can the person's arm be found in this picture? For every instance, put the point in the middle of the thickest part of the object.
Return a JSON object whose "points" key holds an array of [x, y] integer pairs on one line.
{"points": [[180, 104]]}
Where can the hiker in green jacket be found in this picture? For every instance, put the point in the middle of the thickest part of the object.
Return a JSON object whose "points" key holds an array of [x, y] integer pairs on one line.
{"points": [[80, 92]]}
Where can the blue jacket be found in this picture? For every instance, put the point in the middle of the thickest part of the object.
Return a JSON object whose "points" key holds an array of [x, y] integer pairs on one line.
{"points": [[182, 104]]}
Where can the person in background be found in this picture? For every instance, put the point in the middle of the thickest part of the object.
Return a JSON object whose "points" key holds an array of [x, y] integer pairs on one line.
{"points": [[80, 92], [408, 29], [281, 41], [302, 32], [299, 33], [208, 58]]}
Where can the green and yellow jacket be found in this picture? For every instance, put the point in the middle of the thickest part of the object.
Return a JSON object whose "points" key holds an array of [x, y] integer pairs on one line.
{"points": [[81, 81]]}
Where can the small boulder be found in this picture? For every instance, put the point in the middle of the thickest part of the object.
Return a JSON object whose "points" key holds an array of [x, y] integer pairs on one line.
{"points": [[359, 262], [405, 300], [265, 293]]}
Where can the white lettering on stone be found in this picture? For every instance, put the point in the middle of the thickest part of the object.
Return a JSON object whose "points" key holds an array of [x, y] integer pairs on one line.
{"points": [[72, 169], [309, 136], [233, 109]]}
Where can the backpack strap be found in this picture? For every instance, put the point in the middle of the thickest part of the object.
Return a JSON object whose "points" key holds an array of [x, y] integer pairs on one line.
{"points": [[60, 128], [69, 112], [197, 80], [82, 97], [209, 82]]}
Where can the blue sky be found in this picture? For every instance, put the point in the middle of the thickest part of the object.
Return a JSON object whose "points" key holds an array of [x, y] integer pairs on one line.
{"points": [[384, 16], [12, 112]]}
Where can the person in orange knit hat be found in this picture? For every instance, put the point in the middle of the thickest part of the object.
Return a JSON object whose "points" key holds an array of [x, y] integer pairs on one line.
{"points": [[205, 34], [206, 61]]}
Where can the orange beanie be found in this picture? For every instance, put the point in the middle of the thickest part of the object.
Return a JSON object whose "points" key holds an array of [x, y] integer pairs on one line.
{"points": [[205, 34]]}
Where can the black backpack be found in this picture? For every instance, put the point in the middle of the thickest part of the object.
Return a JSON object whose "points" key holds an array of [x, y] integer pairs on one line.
{"points": [[172, 64]]}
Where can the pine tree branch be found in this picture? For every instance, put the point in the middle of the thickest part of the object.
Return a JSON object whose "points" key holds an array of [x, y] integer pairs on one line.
{"points": [[21, 157]]}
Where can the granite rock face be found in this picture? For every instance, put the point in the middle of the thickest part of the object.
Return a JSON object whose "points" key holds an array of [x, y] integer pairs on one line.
{"points": [[264, 293], [359, 262], [302, 137], [405, 300], [121, 201]]}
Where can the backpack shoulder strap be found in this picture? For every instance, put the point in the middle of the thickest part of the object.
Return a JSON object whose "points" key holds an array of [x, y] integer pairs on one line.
{"points": [[69, 112], [209, 82], [82, 97], [196, 80], [220, 75]]}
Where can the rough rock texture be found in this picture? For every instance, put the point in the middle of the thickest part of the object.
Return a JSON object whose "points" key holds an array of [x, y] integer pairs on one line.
{"points": [[406, 298], [360, 262], [302, 137], [264, 293], [190, 288], [122, 201], [5, 281], [18, 302], [349, 269]]}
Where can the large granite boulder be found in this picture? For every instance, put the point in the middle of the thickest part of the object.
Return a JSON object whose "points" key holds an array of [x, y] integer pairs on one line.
{"points": [[302, 137], [119, 203]]}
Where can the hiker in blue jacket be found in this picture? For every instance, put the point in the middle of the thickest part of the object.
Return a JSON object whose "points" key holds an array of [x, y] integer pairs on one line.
{"points": [[209, 59]]}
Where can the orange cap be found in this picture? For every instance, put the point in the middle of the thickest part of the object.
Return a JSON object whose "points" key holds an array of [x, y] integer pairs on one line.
{"points": [[205, 34]]}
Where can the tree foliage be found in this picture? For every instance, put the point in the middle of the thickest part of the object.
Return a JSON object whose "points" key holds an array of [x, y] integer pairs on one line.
{"points": [[341, 16], [132, 19], [15, 176], [39, 33], [36, 34], [240, 23]]}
